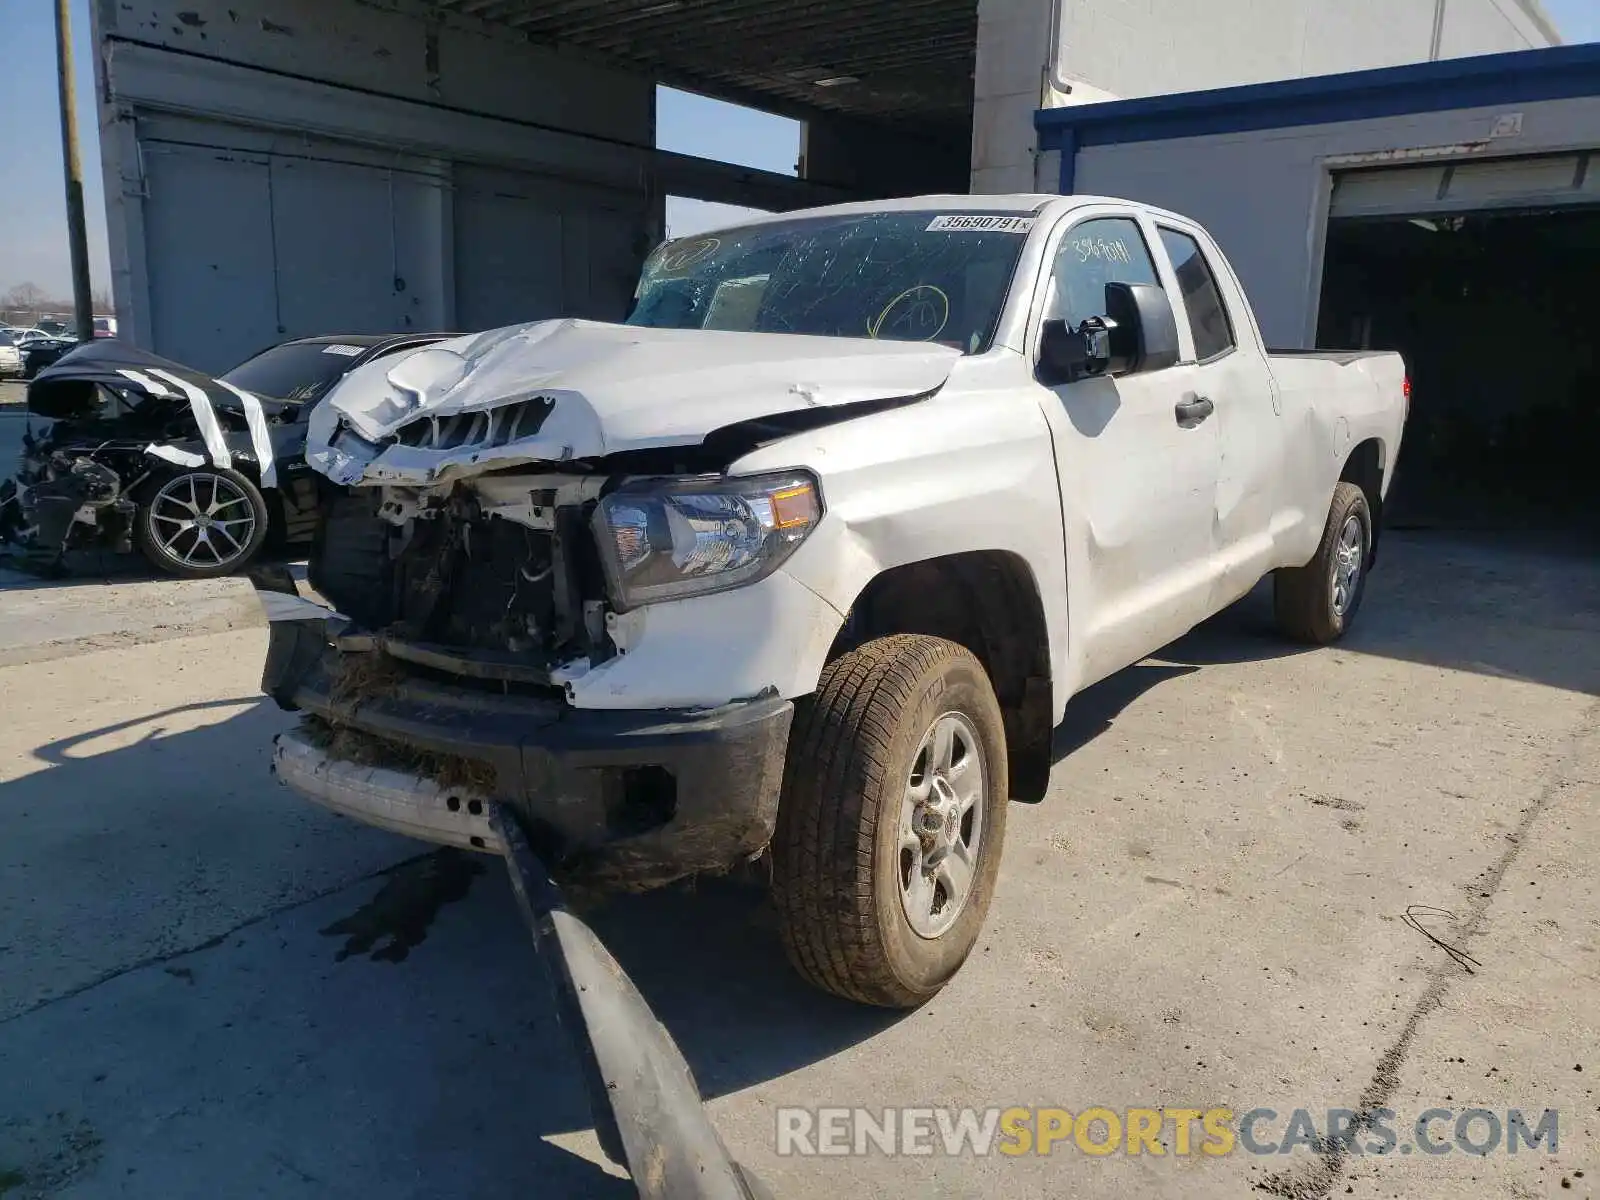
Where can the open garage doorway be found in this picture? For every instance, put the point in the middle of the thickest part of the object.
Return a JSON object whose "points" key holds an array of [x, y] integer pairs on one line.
{"points": [[1496, 314]]}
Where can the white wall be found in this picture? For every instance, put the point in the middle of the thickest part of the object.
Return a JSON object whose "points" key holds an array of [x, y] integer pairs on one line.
{"points": [[1106, 49], [1264, 195]]}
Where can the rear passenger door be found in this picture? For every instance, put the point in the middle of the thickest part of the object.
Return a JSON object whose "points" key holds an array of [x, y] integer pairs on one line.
{"points": [[1136, 483], [1230, 371]]}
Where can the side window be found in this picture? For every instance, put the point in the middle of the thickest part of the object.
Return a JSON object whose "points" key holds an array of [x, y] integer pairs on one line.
{"points": [[1093, 254], [1208, 316]]}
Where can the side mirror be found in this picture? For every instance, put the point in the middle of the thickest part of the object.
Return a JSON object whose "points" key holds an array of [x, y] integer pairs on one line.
{"points": [[1138, 333], [1067, 355], [1147, 329]]}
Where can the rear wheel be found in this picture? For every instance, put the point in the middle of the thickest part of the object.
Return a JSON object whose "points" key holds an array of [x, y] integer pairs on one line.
{"points": [[892, 819], [201, 524], [1317, 602]]}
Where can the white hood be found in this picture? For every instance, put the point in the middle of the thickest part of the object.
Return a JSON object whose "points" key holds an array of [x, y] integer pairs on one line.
{"points": [[608, 388]]}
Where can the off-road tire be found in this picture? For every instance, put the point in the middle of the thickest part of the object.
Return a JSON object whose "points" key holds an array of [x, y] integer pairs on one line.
{"points": [[1302, 597], [145, 539], [836, 855]]}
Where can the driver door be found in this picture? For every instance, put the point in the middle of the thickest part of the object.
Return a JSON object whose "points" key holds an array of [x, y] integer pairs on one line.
{"points": [[1137, 483]]}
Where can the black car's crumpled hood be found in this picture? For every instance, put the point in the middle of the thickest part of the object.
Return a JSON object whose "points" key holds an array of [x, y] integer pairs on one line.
{"points": [[69, 390], [66, 388]]}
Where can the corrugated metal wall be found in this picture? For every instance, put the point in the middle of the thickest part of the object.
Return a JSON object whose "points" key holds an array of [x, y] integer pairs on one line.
{"points": [[280, 168]]}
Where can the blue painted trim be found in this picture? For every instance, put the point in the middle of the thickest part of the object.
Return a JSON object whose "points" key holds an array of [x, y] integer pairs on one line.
{"points": [[1067, 181], [1527, 76]]}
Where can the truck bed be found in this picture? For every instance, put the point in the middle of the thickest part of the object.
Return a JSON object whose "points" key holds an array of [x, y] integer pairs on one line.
{"points": [[1343, 357]]}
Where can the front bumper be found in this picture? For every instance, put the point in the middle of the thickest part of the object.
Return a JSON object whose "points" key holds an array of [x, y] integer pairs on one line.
{"points": [[632, 797]]}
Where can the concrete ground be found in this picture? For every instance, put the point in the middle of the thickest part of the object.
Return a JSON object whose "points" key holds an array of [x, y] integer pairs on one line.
{"points": [[210, 988]]}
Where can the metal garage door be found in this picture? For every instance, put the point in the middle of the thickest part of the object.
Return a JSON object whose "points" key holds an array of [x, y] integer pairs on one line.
{"points": [[508, 250], [1544, 181], [208, 237], [248, 249], [530, 247], [354, 251]]}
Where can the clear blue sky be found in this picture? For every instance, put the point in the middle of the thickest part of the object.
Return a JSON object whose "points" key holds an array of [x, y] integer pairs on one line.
{"points": [[33, 216]]}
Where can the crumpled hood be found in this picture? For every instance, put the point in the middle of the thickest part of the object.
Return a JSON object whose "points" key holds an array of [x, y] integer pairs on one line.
{"points": [[594, 389]]}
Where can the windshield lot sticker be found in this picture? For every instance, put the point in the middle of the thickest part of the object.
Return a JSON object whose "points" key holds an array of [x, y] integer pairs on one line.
{"points": [[1111, 250], [979, 223], [339, 348]]}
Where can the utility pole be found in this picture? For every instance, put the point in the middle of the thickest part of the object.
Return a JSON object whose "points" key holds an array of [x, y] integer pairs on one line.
{"points": [[77, 234]]}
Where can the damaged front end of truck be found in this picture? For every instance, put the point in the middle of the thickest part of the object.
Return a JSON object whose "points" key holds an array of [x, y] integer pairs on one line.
{"points": [[465, 614], [504, 509], [486, 550]]}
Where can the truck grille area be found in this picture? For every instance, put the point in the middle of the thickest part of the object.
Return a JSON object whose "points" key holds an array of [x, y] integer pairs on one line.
{"points": [[459, 591], [479, 584], [487, 427]]}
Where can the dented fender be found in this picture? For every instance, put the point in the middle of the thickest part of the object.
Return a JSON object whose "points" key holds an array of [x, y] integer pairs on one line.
{"points": [[771, 636], [968, 470]]}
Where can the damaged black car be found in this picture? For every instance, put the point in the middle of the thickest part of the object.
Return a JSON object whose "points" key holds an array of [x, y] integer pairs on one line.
{"points": [[196, 472]]}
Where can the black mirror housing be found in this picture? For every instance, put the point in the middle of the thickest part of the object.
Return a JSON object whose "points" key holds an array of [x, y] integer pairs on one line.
{"points": [[1067, 355], [1138, 333], [1146, 325]]}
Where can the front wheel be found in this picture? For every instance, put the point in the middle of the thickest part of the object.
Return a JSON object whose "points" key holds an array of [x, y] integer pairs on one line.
{"points": [[891, 822], [1317, 602], [202, 523]]}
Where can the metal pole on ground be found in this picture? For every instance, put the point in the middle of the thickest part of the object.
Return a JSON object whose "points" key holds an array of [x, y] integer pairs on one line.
{"points": [[77, 234]]}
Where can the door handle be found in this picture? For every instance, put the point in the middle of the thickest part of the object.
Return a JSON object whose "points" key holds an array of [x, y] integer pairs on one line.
{"points": [[1191, 413]]}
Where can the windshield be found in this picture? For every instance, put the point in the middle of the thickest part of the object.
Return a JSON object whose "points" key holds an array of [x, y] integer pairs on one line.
{"points": [[297, 371], [901, 276], [7, 338]]}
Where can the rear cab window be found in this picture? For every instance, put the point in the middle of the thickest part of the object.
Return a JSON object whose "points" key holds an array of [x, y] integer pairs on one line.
{"points": [[1209, 322]]}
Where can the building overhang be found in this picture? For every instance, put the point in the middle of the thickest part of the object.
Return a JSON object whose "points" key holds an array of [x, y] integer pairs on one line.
{"points": [[1481, 81]]}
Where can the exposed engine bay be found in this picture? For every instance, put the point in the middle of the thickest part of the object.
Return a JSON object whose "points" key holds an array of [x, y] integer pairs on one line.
{"points": [[60, 498], [496, 581]]}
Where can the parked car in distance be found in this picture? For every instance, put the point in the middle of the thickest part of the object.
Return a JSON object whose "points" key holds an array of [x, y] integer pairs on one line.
{"points": [[808, 556], [193, 470], [105, 327], [39, 353], [10, 356]]}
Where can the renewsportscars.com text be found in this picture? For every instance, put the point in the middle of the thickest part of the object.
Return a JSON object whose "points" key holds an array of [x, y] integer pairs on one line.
{"points": [[1101, 1131]]}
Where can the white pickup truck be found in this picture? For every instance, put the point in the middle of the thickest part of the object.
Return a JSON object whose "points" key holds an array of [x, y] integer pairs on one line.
{"points": [[809, 555]]}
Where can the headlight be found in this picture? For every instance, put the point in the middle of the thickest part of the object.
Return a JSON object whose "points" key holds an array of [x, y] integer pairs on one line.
{"points": [[660, 540]]}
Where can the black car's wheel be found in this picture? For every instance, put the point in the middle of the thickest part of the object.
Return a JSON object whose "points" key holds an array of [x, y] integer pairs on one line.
{"points": [[891, 821], [202, 523]]}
